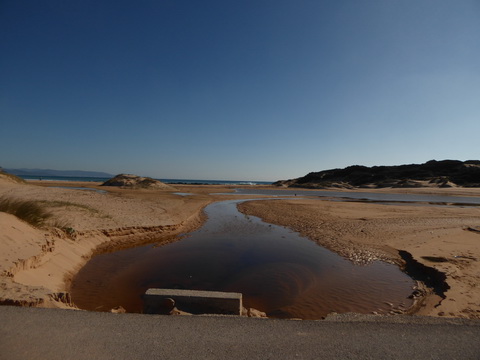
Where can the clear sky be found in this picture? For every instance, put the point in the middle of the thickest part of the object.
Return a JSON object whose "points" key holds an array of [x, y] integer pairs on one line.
{"points": [[237, 90]]}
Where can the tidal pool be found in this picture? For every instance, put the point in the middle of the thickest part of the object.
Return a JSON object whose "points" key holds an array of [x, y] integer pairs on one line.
{"points": [[277, 271]]}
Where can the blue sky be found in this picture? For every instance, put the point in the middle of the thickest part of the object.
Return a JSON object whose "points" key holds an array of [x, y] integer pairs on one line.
{"points": [[240, 90]]}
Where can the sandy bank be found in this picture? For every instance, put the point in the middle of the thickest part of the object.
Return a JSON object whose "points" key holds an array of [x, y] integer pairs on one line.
{"points": [[37, 264], [436, 236]]}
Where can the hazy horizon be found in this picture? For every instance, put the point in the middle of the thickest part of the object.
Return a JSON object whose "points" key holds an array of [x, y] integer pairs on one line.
{"points": [[32, 172], [255, 90]]}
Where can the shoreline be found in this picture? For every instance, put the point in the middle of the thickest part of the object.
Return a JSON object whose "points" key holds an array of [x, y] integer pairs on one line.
{"points": [[134, 217]]}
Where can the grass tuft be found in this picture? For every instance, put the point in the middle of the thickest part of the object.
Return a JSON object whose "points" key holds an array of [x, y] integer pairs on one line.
{"points": [[28, 211]]}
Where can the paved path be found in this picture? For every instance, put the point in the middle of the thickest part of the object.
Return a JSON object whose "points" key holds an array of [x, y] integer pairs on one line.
{"points": [[27, 333]]}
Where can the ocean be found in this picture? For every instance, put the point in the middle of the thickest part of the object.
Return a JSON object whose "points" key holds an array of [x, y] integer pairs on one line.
{"points": [[167, 181]]}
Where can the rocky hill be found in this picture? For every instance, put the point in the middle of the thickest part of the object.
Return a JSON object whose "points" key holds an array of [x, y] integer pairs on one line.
{"points": [[136, 182], [50, 172], [446, 173]]}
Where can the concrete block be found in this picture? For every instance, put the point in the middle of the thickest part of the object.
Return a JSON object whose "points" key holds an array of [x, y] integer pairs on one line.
{"points": [[159, 301]]}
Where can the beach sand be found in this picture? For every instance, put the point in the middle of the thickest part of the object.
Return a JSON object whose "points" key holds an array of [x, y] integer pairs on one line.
{"points": [[37, 265]]}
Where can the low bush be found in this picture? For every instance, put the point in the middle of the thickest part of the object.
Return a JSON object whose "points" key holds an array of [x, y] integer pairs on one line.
{"points": [[28, 211]]}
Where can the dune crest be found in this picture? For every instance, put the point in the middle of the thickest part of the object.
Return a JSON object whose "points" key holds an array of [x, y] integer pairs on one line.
{"points": [[136, 182]]}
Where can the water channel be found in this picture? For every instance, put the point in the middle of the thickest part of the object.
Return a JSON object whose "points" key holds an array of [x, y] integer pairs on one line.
{"points": [[277, 271], [368, 196]]}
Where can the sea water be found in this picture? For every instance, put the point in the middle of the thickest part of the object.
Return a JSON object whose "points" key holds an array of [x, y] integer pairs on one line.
{"points": [[167, 181]]}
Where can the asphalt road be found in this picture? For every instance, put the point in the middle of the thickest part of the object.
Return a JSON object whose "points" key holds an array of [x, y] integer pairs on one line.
{"points": [[30, 333]]}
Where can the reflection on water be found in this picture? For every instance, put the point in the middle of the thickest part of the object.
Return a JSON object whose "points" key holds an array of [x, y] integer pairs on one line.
{"points": [[276, 270]]}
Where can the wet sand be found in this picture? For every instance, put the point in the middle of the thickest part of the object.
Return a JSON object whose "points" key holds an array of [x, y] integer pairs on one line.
{"points": [[38, 264]]}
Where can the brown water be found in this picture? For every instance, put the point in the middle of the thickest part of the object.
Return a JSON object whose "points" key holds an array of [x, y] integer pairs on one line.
{"points": [[275, 269]]}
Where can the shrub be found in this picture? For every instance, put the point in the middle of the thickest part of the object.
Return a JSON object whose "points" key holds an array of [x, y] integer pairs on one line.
{"points": [[28, 211]]}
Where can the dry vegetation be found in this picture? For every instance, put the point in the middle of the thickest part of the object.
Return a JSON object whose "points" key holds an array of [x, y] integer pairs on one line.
{"points": [[26, 210], [10, 177]]}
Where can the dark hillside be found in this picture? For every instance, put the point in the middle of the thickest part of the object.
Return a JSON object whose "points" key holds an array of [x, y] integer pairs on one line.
{"points": [[444, 173]]}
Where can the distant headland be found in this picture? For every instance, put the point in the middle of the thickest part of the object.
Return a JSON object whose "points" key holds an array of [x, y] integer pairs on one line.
{"points": [[445, 173], [50, 172]]}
